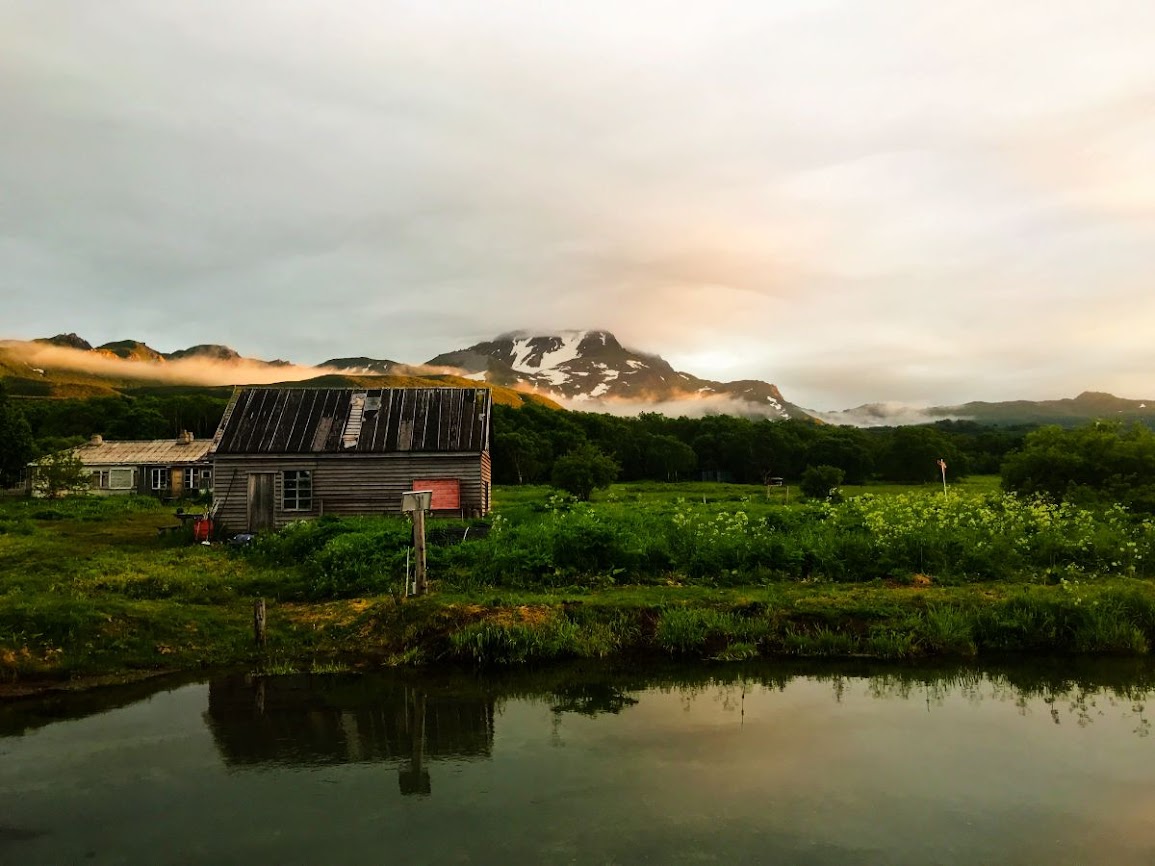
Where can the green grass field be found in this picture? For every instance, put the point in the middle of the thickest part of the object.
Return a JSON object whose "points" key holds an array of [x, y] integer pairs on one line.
{"points": [[88, 587]]}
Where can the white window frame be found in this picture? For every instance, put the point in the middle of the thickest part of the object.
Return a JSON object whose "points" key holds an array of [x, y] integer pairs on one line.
{"points": [[295, 495], [158, 479], [197, 478]]}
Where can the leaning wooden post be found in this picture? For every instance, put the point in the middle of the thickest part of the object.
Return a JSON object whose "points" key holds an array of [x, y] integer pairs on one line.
{"points": [[419, 551], [259, 622]]}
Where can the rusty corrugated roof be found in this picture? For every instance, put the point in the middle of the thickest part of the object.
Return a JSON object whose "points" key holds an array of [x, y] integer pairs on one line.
{"points": [[355, 420], [136, 453]]}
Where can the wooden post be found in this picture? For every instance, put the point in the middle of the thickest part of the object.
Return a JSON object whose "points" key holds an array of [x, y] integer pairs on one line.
{"points": [[259, 622], [419, 551]]}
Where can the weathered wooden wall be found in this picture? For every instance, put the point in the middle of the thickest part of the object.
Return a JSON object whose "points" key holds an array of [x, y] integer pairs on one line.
{"points": [[346, 484]]}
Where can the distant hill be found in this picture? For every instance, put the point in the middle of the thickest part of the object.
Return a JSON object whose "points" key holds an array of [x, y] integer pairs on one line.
{"points": [[211, 351], [130, 350], [360, 366], [1088, 406], [67, 341]]}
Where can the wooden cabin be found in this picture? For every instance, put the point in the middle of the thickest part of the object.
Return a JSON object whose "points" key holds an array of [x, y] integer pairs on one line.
{"points": [[160, 467], [285, 454]]}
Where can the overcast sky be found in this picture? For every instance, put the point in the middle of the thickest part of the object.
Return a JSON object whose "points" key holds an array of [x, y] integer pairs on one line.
{"points": [[858, 201]]}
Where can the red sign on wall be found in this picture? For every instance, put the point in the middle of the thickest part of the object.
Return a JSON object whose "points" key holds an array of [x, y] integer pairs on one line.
{"points": [[446, 492]]}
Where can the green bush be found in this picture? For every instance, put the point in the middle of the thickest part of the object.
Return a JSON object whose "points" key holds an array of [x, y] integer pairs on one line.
{"points": [[823, 482]]}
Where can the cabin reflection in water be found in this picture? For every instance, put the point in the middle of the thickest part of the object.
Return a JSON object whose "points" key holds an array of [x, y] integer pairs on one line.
{"points": [[304, 720]]}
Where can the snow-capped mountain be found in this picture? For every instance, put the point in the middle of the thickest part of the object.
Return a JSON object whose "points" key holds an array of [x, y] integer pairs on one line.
{"points": [[594, 369]]}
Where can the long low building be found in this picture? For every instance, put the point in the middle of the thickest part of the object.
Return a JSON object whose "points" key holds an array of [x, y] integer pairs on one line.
{"points": [[161, 467], [285, 454]]}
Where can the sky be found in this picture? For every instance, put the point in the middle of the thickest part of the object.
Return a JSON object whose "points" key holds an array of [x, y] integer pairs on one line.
{"points": [[887, 201]]}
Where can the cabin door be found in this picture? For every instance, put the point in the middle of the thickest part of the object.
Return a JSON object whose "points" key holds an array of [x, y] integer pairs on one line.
{"points": [[260, 501]]}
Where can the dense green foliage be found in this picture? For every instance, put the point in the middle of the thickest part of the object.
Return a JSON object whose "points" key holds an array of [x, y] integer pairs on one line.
{"points": [[59, 474], [16, 444], [1100, 463], [629, 539], [822, 482], [584, 470], [527, 442], [147, 416]]}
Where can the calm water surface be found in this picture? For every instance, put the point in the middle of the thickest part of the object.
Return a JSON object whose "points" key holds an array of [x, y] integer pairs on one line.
{"points": [[770, 764]]}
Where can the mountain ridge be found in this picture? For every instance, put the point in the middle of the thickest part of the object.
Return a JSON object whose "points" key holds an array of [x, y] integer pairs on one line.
{"points": [[583, 369]]}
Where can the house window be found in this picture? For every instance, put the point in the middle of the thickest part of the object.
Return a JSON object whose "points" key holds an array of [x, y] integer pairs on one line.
{"points": [[158, 479], [121, 479], [99, 479], [198, 478], [296, 490]]}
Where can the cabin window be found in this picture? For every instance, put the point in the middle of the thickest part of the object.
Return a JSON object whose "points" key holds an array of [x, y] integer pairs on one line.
{"points": [[99, 479], [198, 478], [157, 479], [296, 490], [121, 479]]}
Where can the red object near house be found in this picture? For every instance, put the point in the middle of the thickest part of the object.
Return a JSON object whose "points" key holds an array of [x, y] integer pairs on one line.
{"points": [[446, 492], [202, 528]]}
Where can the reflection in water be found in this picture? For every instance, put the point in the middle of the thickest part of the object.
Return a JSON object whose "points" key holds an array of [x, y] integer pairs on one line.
{"points": [[315, 720], [413, 720], [796, 763]]}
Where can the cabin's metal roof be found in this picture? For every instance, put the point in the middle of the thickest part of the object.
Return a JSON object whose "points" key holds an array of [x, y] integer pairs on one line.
{"points": [[355, 420], [137, 453]]}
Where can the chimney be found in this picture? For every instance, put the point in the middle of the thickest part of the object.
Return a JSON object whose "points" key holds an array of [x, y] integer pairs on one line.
{"points": [[96, 440], [185, 437]]}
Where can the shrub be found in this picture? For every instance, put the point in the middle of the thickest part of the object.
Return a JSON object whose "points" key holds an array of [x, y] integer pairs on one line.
{"points": [[822, 482], [584, 470]]}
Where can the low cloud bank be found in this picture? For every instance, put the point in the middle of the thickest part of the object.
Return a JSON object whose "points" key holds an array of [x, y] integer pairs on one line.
{"points": [[184, 371], [689, 406], [885, 415]]}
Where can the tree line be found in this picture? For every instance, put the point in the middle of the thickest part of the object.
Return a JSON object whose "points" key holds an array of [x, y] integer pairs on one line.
{"points": [[31, 428], [528, 441], [1101, 462]]}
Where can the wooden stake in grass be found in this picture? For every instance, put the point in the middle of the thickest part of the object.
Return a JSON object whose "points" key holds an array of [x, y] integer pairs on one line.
{"points": [[942, 466], [416, 503], [419, 576], [259, 620]]}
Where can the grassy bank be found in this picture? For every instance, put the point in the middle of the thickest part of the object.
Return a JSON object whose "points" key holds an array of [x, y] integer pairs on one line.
{"points": [[88, 587]]}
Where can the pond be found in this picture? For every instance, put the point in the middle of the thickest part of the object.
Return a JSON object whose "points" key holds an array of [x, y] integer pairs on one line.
{"points": [[773, 763]]}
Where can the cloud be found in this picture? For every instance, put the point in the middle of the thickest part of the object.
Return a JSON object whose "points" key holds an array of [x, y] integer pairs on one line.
{"points": [[199, 371], [884, 415], [912, 188]]}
